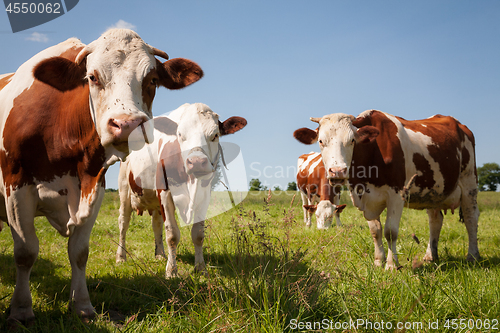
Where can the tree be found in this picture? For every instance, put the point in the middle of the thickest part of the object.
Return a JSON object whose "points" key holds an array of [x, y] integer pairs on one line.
{"points": [[256, 185], [277, 188], [292, 186], [488, 176]]}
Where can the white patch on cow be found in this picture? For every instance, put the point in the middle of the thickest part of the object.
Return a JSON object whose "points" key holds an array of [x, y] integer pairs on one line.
{"points": [[417, 143], [304, 163], [313, 166]]}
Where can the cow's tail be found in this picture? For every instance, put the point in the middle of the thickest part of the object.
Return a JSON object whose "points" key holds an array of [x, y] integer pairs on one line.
{"points": [[461, 215]]}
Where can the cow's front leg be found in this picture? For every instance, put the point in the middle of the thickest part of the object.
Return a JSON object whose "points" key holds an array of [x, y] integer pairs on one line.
{"points": [[376, 232], [197, 236], [435, 225], [78, 252], [173, 234], [391, 229], [157, 223], [26, 247]]}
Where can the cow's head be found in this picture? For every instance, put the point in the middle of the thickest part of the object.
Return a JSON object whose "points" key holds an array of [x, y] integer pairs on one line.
{"points": [[324, 211], [122, 74], [198, 134], [337, 137]]}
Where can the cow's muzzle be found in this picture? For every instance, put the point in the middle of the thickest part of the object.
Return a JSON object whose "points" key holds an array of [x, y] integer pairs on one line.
{"points": [[337, 176]]}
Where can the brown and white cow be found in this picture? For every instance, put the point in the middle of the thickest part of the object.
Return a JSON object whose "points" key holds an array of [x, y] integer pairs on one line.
{"points": [[314, 186], [175, 170], [65, 117], [386, 158]]}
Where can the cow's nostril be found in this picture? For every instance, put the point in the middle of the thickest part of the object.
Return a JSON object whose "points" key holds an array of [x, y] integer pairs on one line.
{"points": [[112, 123]]}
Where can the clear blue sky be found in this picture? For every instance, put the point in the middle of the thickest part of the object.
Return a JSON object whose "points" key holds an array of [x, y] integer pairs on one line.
{"points": [[277, 63]]}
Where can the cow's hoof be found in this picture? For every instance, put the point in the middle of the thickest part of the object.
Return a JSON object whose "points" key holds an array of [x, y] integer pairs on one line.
{"points": [[160, 257], [14, 324], [201, 269], [391, 267], [428, 258], [473, 258], [120, 259], [171, 271], [378, 262]]}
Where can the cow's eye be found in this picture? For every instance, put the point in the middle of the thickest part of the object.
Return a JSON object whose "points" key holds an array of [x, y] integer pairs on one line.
{"points": [[321, 142], [215, 137], [154, 82], [93, 79]]}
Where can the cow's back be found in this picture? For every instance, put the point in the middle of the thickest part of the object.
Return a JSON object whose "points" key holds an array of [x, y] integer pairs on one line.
{"points": [[436, 154]]}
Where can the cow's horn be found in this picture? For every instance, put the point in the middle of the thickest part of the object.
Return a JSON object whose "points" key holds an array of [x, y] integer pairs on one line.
{"points": [[316, 120], [159, 53], [83, 53]]}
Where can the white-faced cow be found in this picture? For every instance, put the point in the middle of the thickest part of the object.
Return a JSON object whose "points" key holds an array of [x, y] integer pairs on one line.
{"points": [[66, 115], [385, 158], [187, 150], [314, 187]]}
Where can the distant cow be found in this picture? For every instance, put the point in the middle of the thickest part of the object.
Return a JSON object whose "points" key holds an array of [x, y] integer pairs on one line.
{"points": [[188, 150], [386, 159], [314, 186], [66, 115]]}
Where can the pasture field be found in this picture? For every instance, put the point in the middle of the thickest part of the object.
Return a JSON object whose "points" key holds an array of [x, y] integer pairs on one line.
{"points": [[268, 273]]}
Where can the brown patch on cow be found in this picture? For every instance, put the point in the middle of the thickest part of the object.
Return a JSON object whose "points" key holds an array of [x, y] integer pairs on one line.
{"points": [[170, 166], [64, 191], [315, 183], [149, 85], [135, 184], [447, 135], [60, 140], [380, 162], [5, 80], [426, 179]]}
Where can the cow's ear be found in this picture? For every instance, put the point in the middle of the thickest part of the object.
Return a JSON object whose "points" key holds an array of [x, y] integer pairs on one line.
{"points": [[310, 208], [61, 73], [306, 135], [232, 125], [178, 73], [339, 208], [366, 134]]}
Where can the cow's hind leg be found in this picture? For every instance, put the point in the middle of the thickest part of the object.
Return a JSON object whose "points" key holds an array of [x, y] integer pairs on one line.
{"points": [[391, 230], [470, 213], [435, 224], [157, 223]]}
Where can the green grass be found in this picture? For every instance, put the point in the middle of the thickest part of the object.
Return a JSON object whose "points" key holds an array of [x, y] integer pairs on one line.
{"points": [[267, 273]]}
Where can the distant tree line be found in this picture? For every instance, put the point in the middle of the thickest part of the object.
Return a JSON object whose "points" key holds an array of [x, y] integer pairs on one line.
{"points": [[256, 185], [488, 177]]}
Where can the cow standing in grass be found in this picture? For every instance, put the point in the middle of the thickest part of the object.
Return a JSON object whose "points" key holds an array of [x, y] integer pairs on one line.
{"points": [[314, 187], [386, 159], [175, 170], [66, 116]]}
